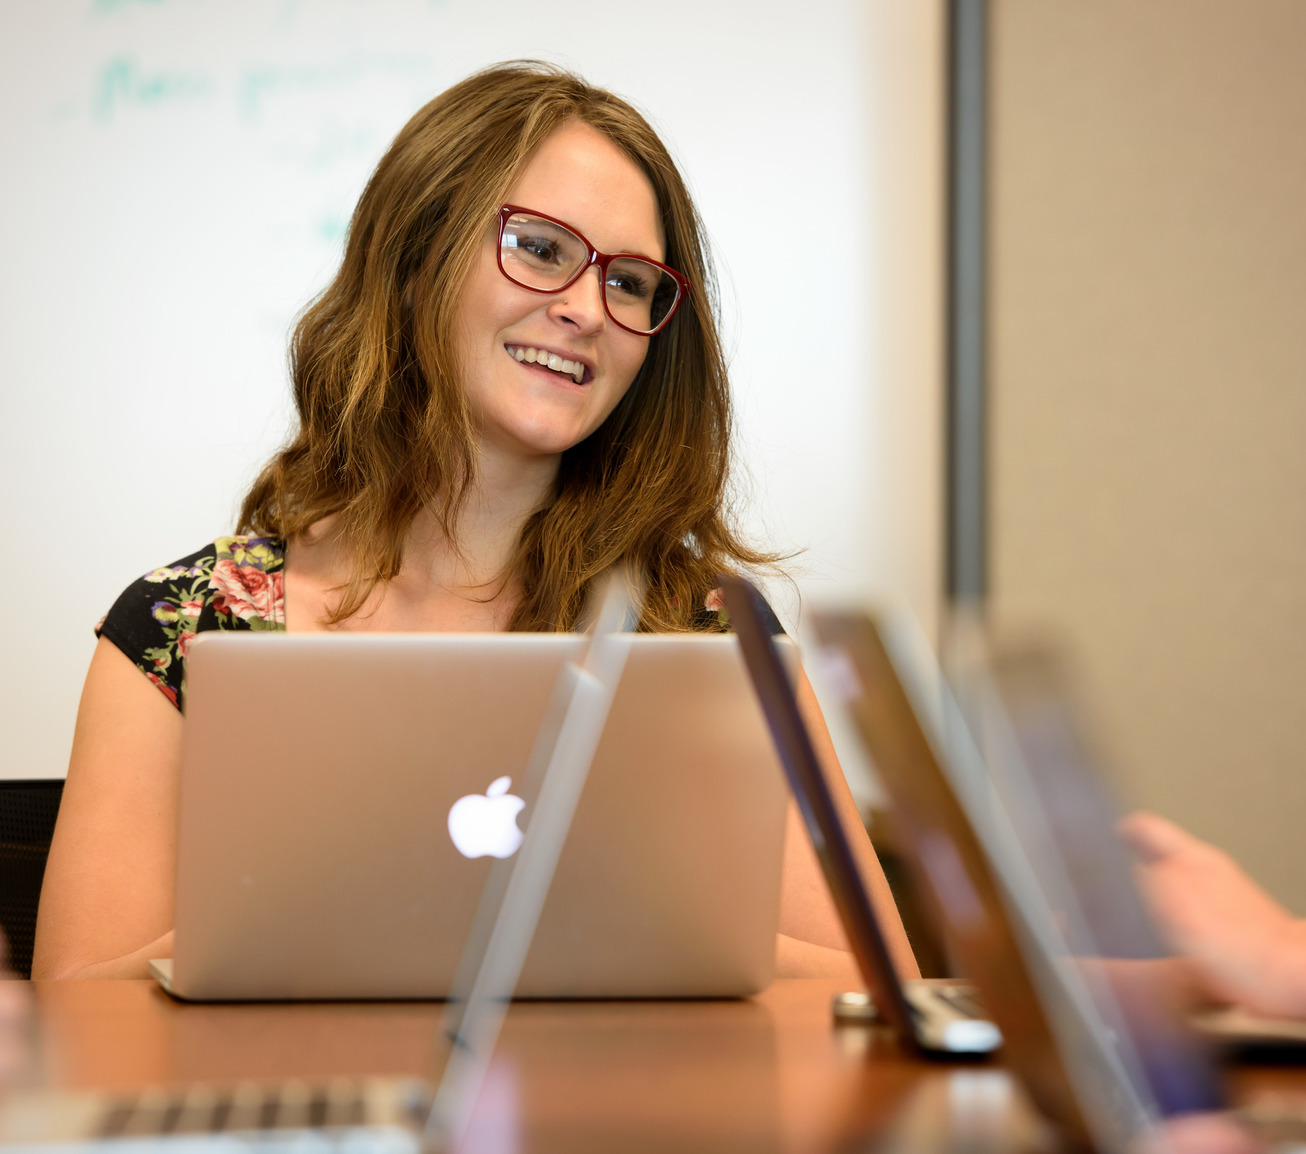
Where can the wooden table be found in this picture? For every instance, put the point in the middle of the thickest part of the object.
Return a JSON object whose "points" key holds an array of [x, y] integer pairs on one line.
{"points": [[768, 1074]]}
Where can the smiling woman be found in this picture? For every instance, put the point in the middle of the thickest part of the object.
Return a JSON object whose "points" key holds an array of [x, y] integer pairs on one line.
{"points": [[536, 405], [513, 384]]}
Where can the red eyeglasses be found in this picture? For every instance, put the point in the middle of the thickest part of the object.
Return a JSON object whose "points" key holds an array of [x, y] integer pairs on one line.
{"points": [[546, 256]]}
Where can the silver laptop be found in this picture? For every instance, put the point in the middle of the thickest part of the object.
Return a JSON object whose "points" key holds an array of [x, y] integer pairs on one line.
{"points": [[343, 799]]}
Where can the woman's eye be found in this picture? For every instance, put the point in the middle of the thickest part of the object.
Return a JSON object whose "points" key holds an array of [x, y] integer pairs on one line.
{"points": [[539, 248], [628, 284]]}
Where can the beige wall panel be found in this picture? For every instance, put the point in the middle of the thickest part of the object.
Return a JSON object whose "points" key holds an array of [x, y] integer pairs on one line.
{"points": [[1148, 377]]}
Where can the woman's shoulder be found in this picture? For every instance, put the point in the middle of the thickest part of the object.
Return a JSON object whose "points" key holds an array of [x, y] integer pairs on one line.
{"points": [[231, 583]]}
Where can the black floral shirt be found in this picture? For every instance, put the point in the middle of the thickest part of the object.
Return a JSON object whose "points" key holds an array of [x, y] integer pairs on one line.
{"points": [[234, 583]]}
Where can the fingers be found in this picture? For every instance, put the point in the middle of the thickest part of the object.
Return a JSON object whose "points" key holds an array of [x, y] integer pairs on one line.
{"points": [[1153, 838], [1200, 1134]]}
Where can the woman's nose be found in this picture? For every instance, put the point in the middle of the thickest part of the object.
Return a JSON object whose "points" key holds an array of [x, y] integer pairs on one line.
{"points": [[581, 303]]}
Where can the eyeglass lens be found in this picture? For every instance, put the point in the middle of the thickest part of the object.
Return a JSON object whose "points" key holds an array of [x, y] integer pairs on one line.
{"points": [[543, 255]]}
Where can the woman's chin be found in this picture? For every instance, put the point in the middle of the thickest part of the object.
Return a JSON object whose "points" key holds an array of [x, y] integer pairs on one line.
{"points": [[537, 441]]}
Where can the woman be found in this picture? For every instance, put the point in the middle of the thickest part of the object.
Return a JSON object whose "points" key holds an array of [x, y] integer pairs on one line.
{"points": [[492, 414]]}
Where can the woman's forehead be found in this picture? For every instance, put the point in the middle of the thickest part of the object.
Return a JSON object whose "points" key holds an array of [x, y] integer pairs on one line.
{"points": [[579, 176]]}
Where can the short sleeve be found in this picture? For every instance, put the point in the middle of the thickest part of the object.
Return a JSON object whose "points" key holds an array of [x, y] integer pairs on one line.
{"points": [[234, 583]]}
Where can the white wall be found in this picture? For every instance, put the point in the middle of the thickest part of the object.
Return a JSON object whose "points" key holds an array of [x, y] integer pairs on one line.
{"points": [[177, 176]]}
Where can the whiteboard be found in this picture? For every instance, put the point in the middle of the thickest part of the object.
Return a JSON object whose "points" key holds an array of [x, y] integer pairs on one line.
{"points": [[178, 175]]}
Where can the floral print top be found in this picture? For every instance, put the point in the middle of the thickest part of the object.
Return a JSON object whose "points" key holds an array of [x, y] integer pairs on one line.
{"points": [[234, 583]]}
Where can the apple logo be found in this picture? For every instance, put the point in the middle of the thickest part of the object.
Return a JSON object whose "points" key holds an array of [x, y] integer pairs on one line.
{"points": [[487, 824]]}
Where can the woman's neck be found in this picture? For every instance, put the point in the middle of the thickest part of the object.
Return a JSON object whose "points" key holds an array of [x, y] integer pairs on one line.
{"points": [[504, 494], [448, 581]]}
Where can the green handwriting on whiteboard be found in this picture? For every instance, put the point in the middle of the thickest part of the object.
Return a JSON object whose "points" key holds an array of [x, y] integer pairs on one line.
{"points": [[115, 5], [333, 227], [258, 82], [122, 83]]}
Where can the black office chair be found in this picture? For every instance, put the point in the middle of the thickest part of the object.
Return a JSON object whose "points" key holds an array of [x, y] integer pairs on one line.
{"points": [[27, 813]]}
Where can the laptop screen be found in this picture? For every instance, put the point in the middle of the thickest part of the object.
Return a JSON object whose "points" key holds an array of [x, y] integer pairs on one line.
{"points": [[1080, 1010], [1055, 803], [750, 617]]}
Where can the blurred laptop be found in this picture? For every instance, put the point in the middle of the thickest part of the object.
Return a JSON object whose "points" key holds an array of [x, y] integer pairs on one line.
{"points": [[1040, 906], [387, 1114], [343, 797], [1017, 701], [931, 1018]]}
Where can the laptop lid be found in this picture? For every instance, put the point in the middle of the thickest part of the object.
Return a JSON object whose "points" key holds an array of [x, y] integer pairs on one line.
{"points": [[1060, 1011], [946, 860], [1068, 862], [747, 612], [319, 772], [930, 1018]]}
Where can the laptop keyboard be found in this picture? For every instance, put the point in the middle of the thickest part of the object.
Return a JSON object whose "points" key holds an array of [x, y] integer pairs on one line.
{"points": [[246, 1106], [961, 999]]}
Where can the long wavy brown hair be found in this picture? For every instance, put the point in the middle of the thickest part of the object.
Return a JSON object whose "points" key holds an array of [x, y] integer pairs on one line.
{"points": [[384, 427]]}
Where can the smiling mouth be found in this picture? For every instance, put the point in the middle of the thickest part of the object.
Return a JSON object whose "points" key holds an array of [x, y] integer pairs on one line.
{"points": [[547, 360]]}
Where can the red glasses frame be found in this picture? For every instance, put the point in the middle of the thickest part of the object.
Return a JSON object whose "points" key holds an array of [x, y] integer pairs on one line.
{"points": [[602, 259]]}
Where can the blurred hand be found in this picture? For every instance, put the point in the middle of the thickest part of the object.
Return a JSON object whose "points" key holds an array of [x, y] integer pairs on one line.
{"points": [[1199, 1134], [1245, 947], [13, 1021]]}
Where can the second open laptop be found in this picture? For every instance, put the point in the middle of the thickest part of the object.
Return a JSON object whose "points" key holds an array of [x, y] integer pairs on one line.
{"points": [[932, 1018], [343, 798]]}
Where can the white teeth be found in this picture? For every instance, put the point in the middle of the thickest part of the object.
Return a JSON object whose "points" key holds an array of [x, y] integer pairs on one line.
{"points": [[573, 369]]}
